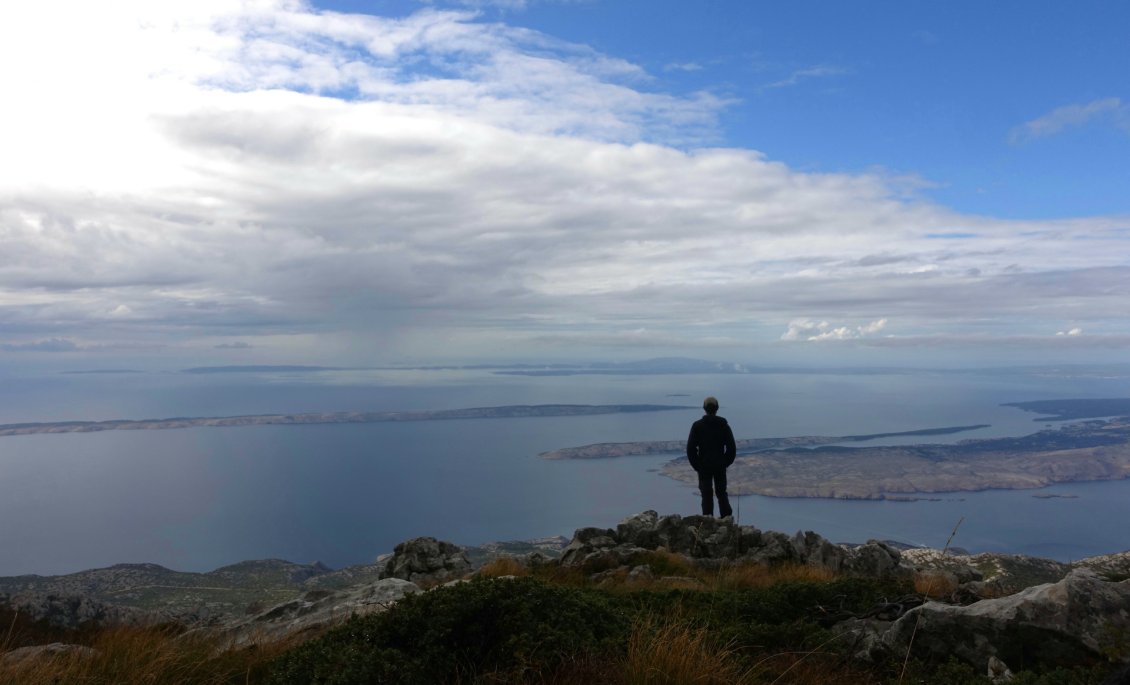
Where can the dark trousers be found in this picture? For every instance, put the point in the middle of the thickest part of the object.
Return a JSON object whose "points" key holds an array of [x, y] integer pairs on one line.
{"points": [[709, 484]]}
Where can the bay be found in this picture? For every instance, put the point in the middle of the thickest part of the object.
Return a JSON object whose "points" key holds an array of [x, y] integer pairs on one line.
{"points": [[195, 499]]}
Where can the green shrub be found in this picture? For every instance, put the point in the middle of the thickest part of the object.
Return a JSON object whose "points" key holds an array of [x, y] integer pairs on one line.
{"points": [[502, 627]]}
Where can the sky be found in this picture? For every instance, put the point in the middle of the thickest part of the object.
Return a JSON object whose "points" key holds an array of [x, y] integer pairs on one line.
{"points": [[402, 182]]}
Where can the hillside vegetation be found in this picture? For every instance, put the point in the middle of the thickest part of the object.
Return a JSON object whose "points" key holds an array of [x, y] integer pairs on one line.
{"points": [[681, 623]]}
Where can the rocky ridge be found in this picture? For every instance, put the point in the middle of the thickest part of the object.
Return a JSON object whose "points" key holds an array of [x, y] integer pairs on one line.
{"points": [[1004, 610]]}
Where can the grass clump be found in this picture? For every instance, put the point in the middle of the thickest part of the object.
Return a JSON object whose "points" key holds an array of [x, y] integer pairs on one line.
{"points": [[935, 584], [672, 652], [503, 566], [144, 656]]}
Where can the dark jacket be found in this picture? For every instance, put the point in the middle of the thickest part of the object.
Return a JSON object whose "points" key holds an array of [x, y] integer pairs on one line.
{"points": [[710, 446]]}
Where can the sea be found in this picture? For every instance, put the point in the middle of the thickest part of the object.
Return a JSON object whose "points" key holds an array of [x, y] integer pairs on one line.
{"points": [[196, 499]]}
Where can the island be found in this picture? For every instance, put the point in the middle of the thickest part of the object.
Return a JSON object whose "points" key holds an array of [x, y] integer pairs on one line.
{"points": [[503, 412], [1067, 410], [1089, 451], [822, 466], [608, 450]]}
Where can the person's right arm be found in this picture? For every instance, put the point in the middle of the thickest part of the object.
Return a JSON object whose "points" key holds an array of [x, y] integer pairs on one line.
{"points": [[692, 448]]}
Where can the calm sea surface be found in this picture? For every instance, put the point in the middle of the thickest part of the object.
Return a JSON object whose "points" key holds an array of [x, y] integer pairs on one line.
{"points": [[196, 499]]}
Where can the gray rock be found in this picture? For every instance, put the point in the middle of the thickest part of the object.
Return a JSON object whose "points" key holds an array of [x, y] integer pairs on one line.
{"points": [[427, 560], [549, 546], [639, 529], [318, 608], [706, 539], [76, 611], [816, 551], [863, 637], [876, 560], [998, 671], [1066, 623], [773, 548]]}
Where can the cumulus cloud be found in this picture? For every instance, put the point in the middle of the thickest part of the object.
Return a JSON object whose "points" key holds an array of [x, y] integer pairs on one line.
{"points": [[813, 331], [1069, 116], [444, 185]]}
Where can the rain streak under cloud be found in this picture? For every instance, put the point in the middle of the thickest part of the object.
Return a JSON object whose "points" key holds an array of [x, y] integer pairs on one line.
{"points": [[274, 181]]}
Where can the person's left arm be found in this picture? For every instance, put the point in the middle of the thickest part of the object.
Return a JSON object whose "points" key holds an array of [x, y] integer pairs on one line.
{"points": [[692, 448]]}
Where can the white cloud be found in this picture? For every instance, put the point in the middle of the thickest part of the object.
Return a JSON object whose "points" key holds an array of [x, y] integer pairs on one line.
{"points": [[1072, 332], [814, 331], [683, 66], [808, 73], [441, 185], [1069, 116]]}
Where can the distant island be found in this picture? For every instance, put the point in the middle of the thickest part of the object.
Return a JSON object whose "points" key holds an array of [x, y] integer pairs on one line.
{"points": [[821, 466], [504, 412], [1067, 410], [608, 450]]}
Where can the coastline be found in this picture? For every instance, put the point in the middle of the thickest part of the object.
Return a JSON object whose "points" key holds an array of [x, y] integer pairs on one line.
{"points": [[1075, 453], [317, 418]]}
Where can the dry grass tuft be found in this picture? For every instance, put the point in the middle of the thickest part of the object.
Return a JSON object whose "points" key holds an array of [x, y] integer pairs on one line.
{"points": [[503, 566], [753, 575], [143, 656], [672, 653], [934, 584]]}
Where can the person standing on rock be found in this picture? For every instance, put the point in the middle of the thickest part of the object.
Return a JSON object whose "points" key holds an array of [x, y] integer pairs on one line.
{"points": [[711, 449]]}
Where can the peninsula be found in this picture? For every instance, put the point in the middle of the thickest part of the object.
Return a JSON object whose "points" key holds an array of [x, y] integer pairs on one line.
{"points": [[822, 466], [1088, 451], [504, 412]]}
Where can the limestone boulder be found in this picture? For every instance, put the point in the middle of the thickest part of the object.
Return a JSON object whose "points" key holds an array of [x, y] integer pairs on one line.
{"points": [[875, 560], [816, 551], [319, 608], [427, 560], [1076, 621]]}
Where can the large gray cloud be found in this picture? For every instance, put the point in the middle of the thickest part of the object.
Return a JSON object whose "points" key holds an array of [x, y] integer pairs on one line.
{"points": [[440, 185]]}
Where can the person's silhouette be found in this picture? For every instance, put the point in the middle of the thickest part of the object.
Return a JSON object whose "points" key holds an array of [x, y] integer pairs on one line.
{"points": [[711, 449]]}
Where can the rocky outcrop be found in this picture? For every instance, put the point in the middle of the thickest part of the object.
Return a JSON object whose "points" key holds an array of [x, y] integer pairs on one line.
{"points": [[539, 549], [1080, 620], [427, 560], [992, 574], [709, 540], [76, 611], [319, 608]]}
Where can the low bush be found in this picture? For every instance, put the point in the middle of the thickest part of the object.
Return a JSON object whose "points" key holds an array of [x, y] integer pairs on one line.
{"points": [[509, 628]]}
